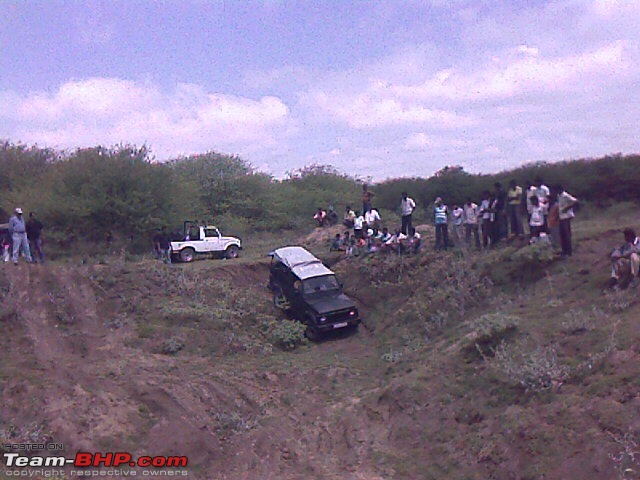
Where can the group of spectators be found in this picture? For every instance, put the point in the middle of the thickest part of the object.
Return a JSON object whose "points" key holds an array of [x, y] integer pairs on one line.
{"points": [[501, 214], [22, 237], [367, 233]]}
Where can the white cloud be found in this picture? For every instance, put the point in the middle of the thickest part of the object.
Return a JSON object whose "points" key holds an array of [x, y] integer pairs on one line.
{"points": [[110, 111], [417, 141], [522, 75]]}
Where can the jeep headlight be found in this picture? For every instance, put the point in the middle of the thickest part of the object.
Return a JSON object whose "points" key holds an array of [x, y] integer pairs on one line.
{"points": [[323, 319]]}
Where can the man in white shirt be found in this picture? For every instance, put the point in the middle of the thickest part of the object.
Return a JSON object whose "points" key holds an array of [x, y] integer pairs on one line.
{"points": [[458, 225], [372, 218], [358, 225], [407, 206], [471, 222]]}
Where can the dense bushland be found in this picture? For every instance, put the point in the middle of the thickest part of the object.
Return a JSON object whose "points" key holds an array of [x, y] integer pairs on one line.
{"points": [[121, 193]]}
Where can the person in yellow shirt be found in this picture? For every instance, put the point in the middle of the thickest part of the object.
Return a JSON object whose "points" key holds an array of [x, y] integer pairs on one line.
{"points": [[514, 207]]}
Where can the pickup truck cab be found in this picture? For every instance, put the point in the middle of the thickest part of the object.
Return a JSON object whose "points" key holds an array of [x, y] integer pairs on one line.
{"points": [[204, 240], [303, 286]]}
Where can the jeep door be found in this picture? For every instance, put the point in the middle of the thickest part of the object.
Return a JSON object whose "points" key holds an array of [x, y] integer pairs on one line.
{"points": [[212, 241]]}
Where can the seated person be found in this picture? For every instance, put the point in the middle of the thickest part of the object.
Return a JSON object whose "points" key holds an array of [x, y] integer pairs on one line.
{"points": [[320, 217], [337, 244], [626, 260], [414, 241], [348, 242], [349, 217], [332, 217]]}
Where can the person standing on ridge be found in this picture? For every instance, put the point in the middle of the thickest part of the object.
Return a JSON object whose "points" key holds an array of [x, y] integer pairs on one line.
{"points": [[566, 201], [34, 234], [18, 231], [440, 220], [407, 206], [367, 198]]}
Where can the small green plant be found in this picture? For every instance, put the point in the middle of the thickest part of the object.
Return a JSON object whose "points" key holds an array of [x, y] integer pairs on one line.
{"points": [[392, 356], [172, 346], [285, 334], [619, 300], [534, 370], [540, 253], [233, 422], [488, 331], [579, 321]]}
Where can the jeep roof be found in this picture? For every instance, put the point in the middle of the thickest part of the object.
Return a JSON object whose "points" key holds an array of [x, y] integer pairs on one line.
{"points": [[301, 262]]}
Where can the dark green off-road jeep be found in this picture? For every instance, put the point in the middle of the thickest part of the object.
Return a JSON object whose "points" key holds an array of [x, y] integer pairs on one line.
{"points": [[303, 286]]}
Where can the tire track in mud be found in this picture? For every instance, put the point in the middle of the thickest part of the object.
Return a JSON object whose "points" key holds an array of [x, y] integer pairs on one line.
{"points": [[86, 400]]}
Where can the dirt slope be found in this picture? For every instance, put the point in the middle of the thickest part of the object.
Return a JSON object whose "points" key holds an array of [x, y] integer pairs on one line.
{"points": [[174, 360]]}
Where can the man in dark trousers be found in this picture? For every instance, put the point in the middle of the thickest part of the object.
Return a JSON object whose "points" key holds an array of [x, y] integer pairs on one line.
{"points": [[34, 234]]}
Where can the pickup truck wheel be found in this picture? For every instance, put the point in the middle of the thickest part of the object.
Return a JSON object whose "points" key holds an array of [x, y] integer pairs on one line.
{"points": [[232, 251], [280, 301], [187, 254]]}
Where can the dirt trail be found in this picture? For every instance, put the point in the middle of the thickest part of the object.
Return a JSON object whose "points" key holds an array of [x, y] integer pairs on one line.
{"points": [[98, 391]]}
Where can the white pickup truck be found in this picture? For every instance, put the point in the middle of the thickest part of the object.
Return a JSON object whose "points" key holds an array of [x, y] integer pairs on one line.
{"points": [[201, 240]]}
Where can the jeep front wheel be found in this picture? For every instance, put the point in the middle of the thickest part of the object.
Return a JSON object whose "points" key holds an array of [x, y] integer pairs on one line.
{"points": [[187, 255], [312, 333], [232, 251]]}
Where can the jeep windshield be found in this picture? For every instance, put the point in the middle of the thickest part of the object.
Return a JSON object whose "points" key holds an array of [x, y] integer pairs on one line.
{"points": [[324, 284]]}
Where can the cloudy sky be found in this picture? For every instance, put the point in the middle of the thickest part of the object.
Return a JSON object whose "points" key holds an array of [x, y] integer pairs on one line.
{"points": [[376, 88]]}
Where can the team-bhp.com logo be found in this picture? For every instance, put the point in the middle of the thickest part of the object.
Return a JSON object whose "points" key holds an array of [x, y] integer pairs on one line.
{"points": [[85, 460]]}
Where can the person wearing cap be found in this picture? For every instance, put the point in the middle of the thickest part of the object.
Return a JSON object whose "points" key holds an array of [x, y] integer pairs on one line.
{"points": [[18, 231]]}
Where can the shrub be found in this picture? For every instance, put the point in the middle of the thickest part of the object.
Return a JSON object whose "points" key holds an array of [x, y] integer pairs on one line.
{"points": [[538, 254], [172, 346], [488, 331], [233, 422], [286, 335], [533, 370]]}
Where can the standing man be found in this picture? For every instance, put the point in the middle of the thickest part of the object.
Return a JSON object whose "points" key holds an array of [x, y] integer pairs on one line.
{"points": [[34, 231], [514, 206], [440, 220], [500, 210], [458, 226], [407, 206], [165, 245], [543, 193], [367, 198], [471, 223], [565, 206], [18, 231]]}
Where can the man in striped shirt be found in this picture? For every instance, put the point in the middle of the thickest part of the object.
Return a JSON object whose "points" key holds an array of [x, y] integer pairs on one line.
{"points": [[440, 220]]}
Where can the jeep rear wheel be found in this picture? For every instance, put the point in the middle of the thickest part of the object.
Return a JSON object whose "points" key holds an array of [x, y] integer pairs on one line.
{"points": [[280, 301], [232, 251], [187, 254]]}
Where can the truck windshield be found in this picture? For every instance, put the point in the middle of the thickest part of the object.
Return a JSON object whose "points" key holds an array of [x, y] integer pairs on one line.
{"points": [[326, 283]]}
